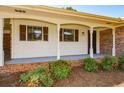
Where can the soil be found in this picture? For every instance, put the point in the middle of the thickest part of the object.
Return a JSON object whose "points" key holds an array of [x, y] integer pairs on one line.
{"points": [[78, 78], [10, 80]]}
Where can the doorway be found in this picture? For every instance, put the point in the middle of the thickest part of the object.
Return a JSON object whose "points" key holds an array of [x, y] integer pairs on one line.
{"points": [[7, 39], [94, 42]]}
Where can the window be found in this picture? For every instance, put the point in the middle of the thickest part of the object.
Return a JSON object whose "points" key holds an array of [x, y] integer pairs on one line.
{"points": [[33, 33], [69, 35]]}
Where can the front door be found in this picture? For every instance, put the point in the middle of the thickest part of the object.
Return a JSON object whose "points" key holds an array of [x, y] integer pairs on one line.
{"points": [[94, 42], [7, 40], [6, 46]]}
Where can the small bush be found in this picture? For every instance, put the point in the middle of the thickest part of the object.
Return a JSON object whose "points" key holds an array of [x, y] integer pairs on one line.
{"points": [[37, 77], [122, 66], [109, 63], [121, 62], [90, 65], [60, 69]]}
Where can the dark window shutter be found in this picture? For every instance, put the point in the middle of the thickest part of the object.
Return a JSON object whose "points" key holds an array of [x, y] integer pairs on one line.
{"points": [[76, 35], [22, 32], [45, 33], [60, 34]]}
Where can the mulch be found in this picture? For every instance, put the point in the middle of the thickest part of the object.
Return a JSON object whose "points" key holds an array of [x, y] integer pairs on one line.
{"points": [[10, 73]]}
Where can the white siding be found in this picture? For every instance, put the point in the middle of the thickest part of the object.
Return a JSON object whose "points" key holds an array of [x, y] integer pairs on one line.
{"points": [[75, 48], [27, 49], [24, 49]]}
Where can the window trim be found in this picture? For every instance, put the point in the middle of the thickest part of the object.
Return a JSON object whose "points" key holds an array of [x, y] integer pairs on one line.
{"points": [[20, 38], [26, 34], [45, 34], [73, 33]]}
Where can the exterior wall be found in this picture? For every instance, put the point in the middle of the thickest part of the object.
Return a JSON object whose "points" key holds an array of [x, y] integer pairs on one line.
{"points": [[27, 49], [75, 48], [106, 42], [119, 35]]}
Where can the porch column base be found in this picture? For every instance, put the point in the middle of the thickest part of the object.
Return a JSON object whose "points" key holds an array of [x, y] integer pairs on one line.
{"points": [[91, 52], [113, 51], [58, 57]]}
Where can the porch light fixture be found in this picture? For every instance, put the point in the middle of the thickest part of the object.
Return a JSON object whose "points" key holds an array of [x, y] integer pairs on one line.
{"points": [[83, 33], [20, 11]]}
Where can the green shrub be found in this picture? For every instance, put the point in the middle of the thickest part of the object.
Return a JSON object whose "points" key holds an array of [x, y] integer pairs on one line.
{"points": [[37, 77], [122, 66], [60, 69], [109, 63], [121, 62], [90, 65]]}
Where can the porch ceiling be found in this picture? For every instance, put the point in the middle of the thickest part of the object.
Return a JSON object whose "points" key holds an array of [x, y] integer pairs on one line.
{"points": [[101, 28]]}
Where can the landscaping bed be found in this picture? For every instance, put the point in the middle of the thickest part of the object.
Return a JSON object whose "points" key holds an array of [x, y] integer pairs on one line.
{"points": [[79, 78], [109, 71]]}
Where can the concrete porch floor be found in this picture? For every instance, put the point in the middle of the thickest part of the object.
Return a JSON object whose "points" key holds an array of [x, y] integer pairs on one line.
{"points": [[49, 59]]}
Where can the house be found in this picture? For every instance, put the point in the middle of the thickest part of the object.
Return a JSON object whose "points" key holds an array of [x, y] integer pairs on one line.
{"points": [[41, 31]]}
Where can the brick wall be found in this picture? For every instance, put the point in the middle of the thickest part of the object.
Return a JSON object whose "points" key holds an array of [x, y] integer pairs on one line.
{"points": [[119, 40], [106, 42]]}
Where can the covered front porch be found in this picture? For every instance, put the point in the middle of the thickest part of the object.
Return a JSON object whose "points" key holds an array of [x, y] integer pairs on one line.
{"points": [[93, 48], [92, 43], [19, 48]]}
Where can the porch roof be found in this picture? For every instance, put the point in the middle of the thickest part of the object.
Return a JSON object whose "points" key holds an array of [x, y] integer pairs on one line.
{"points": [[60, 11]]}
